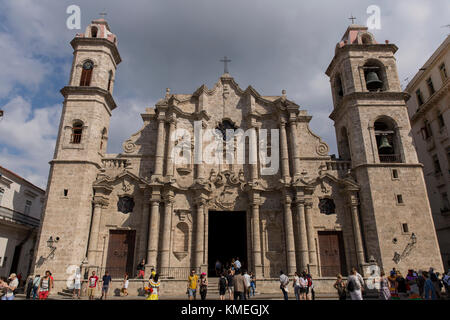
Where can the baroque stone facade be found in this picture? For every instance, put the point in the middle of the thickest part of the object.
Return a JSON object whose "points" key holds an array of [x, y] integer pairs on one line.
{"points": [[315, 212]]}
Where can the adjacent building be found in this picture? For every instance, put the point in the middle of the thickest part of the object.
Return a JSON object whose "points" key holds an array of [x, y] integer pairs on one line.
{"points": [[429, 113], [20, 213]]}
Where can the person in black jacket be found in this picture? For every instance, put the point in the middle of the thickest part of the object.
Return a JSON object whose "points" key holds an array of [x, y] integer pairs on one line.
{"points": [[141, 269]]}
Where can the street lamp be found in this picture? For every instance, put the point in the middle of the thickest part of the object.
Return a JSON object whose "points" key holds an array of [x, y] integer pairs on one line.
{"points": [[51, 242], [413, 238]]}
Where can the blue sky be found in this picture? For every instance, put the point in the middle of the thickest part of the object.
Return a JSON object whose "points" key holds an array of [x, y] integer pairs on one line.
{"points": [[274, 45]]}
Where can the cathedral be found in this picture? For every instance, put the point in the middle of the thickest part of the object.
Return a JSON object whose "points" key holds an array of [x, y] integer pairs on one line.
{"points": [[367, 208]]}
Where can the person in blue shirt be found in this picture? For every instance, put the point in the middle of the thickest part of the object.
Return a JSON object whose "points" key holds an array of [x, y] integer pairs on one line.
{"points": [[105, 286], [428, 289]]}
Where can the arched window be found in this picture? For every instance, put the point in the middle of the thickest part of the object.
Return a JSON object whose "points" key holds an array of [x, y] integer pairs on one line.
{"points": [[387, 141], [94, 32], [102, 139], [77, 131], [86, 73], [375, 75], [344, 146], [110, 80], [338, 88]]}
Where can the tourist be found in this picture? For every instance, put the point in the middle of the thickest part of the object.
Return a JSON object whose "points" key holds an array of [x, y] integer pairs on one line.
{"points": [[222, 286], [3, 286], [420, 283], [436, 283], [411, 282], [233, 265], [429, 290], [230, 285], [45, 286], [29, 287], [125, 285], [284, 282], [247, 284], [446, 282], [355, 285], [341, 287], [153, 286], [252, 284], [311, 287], [36, 281], [92, 285], [218, 268], [77, 284], [401, 285], [384, 293], [52, 281], [239, 286], [106, 281], [141, 269], [203, 286], [192, 285], [10, 287], [296, 285], [392, 283], [237, 264]]}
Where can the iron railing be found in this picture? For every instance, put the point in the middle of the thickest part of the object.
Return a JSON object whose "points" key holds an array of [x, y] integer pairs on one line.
{"points": [[177, 272], [390, 158], [76, 138], [17, 217]]}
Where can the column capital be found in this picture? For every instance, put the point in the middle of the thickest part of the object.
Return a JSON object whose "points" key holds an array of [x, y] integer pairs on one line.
{"points": [[155, 200], [308, 203]]}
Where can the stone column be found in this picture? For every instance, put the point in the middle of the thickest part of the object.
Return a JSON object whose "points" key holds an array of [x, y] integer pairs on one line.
{"points": [[165, 246], [284, 153], [152, 245], [357, 232], [93, 240], [256, 237], [170, 160], [254, 167], [302, 235], [159, 156], [294, 146], [289, 234], [310, 236], [200, 232]]}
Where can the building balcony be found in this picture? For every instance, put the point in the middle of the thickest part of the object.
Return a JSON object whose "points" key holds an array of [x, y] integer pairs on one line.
{"points": [[9, 215], [390, 158]]}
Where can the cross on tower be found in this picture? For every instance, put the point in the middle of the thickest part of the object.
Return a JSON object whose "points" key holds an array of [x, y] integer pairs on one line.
{"points": [[225, 61], [352, 18]]}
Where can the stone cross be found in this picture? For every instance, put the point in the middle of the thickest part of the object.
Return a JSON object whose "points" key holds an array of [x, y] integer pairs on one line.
{"points": [[352, 18], [225, 61]]}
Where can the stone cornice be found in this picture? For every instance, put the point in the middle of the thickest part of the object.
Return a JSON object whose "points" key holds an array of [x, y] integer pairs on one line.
{"points": [[376, 96], [100, 41], [67, 90], [360, 47], [75, 161]]}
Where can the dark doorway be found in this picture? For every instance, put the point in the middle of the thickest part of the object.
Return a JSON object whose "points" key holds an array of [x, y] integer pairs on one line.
{"points": [[332, 255], [120, 253], [16, 258], [227, 238]]}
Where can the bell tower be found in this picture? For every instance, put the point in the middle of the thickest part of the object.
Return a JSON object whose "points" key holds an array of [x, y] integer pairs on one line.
{"points": [[80, 147], [373, 132]]}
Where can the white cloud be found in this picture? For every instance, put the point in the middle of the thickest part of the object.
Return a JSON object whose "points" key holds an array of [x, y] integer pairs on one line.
{"points": [[28, 138]]}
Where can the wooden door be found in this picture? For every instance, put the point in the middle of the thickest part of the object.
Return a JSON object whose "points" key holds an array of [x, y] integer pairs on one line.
{"points": [[120, 253], [332, 259]]}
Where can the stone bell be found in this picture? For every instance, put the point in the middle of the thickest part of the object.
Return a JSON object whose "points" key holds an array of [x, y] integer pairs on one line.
{"points": [[384, 143], [373, 83]]}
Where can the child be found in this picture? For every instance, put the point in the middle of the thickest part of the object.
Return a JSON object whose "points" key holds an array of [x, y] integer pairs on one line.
{"points": [[125, 285]]}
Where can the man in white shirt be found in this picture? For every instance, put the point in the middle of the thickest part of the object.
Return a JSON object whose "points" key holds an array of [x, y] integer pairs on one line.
{"points": [[355, 285], [284, 282], [13, 284], [247, 284]]}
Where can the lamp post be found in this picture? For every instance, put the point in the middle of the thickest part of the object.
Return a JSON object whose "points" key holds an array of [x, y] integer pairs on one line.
{"points": [[50, 245]]}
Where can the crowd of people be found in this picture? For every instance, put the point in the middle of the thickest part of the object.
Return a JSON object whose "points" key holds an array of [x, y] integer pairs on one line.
{"points": [[427, 285], [236, 283]]}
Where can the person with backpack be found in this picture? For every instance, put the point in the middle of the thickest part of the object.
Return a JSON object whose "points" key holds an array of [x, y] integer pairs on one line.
{"points": [[36, 281], [284, 282], [355, 285], [230, 285], [222, 286]]}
